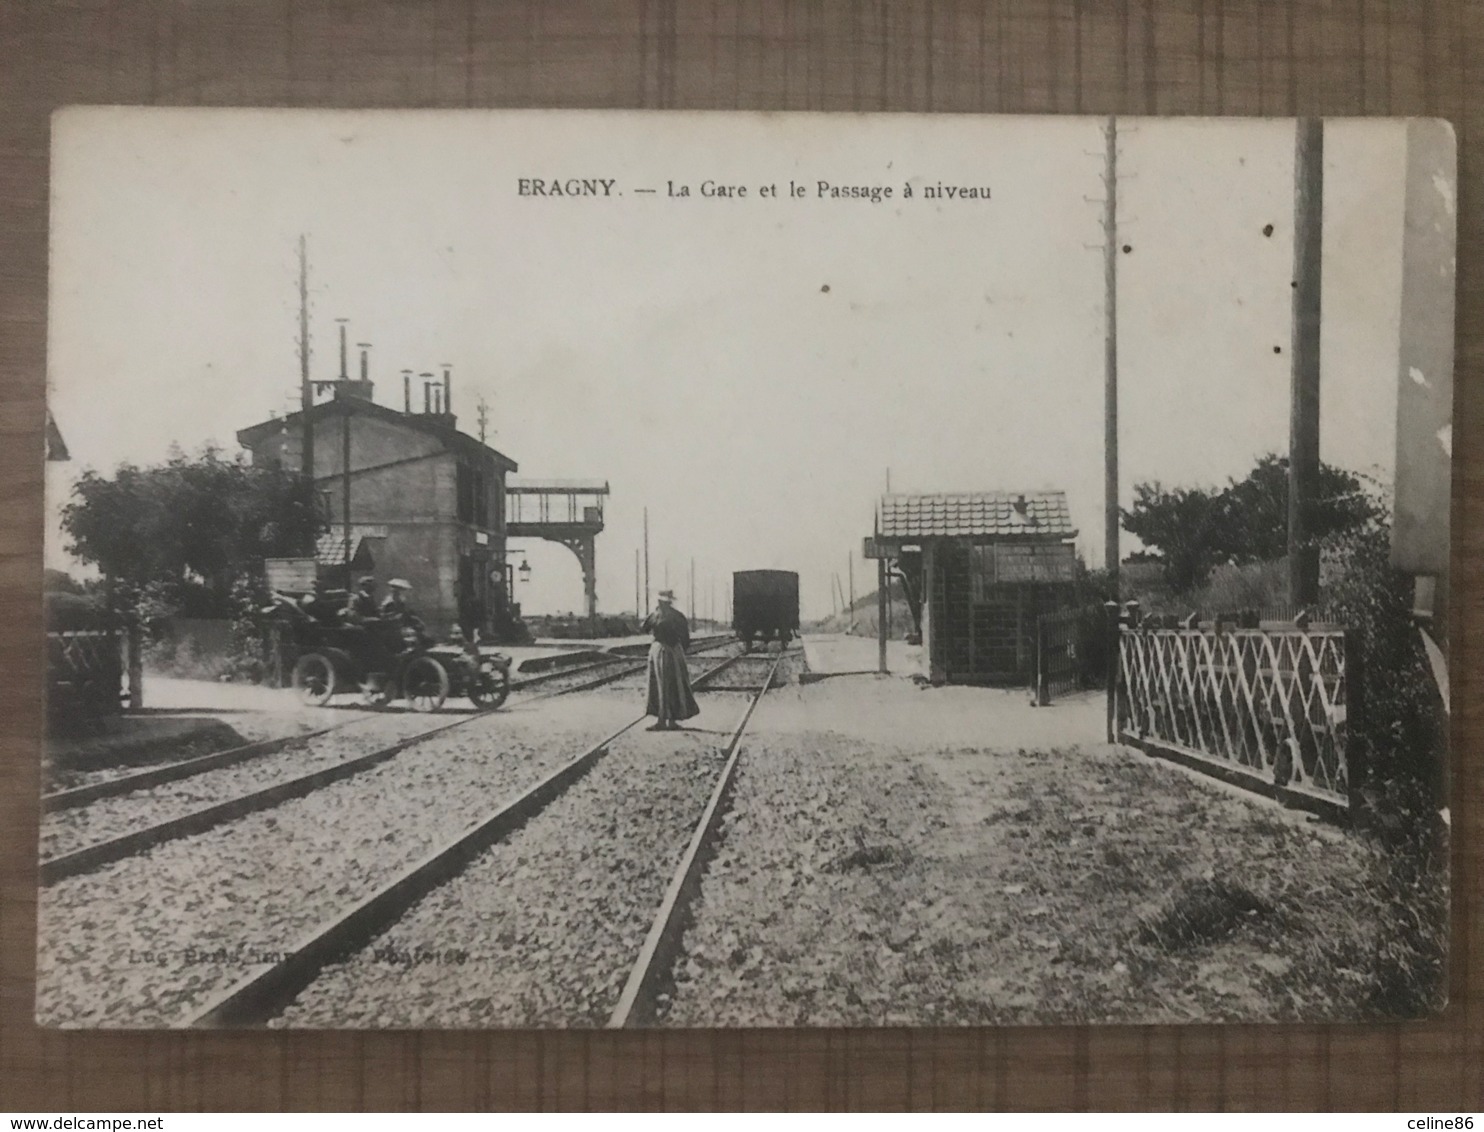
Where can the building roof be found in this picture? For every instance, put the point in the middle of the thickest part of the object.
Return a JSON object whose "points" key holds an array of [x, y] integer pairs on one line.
{"points": [[329, 549], [56, 447], [986, 514], [437, 425], [522, 486]]}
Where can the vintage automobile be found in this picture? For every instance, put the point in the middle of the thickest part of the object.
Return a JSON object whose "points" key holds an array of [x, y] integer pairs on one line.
{"points": [[385, 661]]}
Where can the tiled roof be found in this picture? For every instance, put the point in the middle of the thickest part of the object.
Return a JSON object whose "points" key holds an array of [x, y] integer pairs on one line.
{"points": [[329, 550], [1038, 514]]}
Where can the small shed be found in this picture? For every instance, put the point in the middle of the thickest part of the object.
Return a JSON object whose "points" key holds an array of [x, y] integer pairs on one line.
{"points": [[988, 563]]}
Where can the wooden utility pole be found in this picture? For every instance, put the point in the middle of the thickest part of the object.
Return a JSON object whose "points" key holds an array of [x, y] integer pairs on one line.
{"points": [[1303, 421], [483, 421], [646, 561], [306, 391], [1110, 355], [343, 395], [638, 609], [881, 614]]}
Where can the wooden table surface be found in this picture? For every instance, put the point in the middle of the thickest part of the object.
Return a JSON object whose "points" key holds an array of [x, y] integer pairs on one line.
{"points": [[1326, 57]]}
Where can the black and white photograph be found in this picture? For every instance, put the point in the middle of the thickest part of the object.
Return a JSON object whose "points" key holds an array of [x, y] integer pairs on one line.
{"points": [[571, 569]]}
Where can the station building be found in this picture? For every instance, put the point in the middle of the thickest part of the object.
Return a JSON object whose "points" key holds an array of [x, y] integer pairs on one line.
{"points": [[984, 566], [426, 501]]}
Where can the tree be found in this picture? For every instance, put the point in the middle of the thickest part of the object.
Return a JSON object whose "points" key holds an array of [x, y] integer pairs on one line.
{"points": [[1183, 524], [1195, 529], [1255, 520], [181, 535]]}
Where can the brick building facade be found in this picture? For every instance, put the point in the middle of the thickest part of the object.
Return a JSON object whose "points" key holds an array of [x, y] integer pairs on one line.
{"points": [[427, 502]]}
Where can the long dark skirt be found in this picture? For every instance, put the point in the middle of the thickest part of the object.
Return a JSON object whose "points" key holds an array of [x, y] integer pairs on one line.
{"points": [[670, 696]]}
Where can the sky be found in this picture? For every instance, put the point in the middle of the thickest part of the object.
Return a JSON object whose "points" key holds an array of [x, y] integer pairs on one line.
{"points": [[747, 369]]}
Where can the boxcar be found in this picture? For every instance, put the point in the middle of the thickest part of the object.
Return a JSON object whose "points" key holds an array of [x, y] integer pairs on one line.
{"points": [[765, 605]]}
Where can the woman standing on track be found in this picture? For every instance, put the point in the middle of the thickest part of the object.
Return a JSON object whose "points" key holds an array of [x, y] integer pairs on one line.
{"points": [[670, 695]]}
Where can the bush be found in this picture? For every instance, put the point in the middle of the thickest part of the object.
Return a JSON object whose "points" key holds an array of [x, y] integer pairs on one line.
{"points": [[1398, 753]]}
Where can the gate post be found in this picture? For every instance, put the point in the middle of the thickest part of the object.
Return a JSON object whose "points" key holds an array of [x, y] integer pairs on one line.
{"points": [[1043, 678], [1356, 769], [1110, 609], [134, 635]]}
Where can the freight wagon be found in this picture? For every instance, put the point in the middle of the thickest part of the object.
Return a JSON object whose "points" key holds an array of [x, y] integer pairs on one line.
{"points": [[765, 605]]}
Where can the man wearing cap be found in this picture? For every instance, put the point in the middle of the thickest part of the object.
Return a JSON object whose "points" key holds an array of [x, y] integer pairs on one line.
{"points": [[394, 607], [670, 697]]}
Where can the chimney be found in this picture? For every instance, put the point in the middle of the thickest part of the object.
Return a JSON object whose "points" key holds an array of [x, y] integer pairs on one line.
{"points": [[362, 388], [344, 376], [447, 389], [407, 391]]}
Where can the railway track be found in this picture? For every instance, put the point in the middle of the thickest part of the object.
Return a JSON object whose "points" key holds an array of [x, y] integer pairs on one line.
{"points": [[608, 669], [272, 987], [205, 803]]}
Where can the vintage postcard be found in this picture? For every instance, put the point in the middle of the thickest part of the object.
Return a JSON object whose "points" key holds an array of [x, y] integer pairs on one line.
{"points": [[582, 569]]}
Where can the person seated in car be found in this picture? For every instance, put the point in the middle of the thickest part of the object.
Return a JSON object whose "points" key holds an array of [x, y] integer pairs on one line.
{"points": [[361, 606], [396, 612]]}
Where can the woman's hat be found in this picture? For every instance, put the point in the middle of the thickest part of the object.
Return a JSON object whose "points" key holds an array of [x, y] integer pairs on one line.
{"points": [[666, 595]]}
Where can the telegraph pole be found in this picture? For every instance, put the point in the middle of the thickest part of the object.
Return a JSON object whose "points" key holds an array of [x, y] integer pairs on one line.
{"points": [[343, 396], [1303, 421], [306, 392], [647, 598], [638, 609], [1110, 356], [483, 420]]}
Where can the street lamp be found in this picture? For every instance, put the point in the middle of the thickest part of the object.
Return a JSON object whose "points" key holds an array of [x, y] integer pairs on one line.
{"points": [[524, 571]]}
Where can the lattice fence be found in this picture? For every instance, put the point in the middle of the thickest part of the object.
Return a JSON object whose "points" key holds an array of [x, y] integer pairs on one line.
{"points": [[1269, 705]]}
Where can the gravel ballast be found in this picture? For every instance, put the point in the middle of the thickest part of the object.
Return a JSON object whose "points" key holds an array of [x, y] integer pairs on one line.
{"points": [[143, 941], [68, 830], [895, 856], [543, 929]]}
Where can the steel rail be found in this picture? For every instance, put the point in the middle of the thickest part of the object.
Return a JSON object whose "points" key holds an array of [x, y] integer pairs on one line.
{"points": [[265, 992], [629, 668], [92, 857], [185, 768], [100, 853], [636, 1005]]}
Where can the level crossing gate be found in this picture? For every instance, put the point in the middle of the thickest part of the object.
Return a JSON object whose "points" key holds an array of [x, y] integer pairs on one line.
{"points": [[1267, 705]]}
